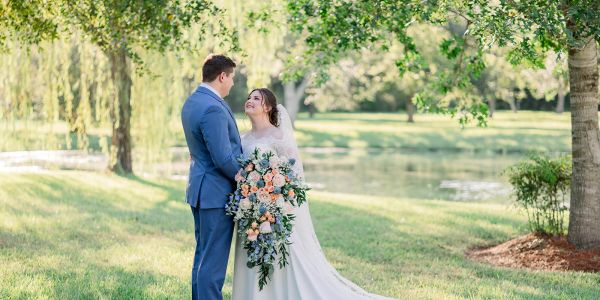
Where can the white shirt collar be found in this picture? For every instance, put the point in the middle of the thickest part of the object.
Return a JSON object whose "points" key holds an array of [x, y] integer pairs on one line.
{"points": [[206, 85]]}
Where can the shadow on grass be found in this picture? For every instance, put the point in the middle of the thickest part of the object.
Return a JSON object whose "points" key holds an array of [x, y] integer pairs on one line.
{"points": [[430, 249], [97, 209], [420, 252], [104, 282]]}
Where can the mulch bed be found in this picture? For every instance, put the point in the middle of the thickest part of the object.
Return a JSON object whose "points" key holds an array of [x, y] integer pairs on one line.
{"points": [[539, 252]]}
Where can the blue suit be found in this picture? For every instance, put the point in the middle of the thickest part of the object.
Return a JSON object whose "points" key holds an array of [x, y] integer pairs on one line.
{"points": [[214, 142]]}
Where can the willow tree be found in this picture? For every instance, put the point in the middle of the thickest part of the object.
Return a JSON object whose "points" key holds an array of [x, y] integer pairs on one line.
{"points": [[528, 28], [121, 29]]}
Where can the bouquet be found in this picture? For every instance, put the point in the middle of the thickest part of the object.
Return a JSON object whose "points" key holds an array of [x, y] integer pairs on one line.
{"points": [[262, 205]]}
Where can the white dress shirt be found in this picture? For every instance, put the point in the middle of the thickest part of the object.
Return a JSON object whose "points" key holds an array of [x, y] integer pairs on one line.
{"points": [[212, 89]]}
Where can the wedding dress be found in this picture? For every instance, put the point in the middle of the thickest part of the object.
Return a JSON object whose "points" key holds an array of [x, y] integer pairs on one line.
{"points": [[308, 276]]}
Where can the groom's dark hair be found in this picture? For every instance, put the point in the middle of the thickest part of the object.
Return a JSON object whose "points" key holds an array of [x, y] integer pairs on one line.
{"points": [[214, 65]]}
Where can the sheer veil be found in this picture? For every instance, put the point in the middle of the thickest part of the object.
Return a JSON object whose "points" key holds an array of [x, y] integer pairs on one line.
{"points": [[285, 124]]}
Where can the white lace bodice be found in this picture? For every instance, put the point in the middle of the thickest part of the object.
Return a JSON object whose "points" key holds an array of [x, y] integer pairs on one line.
{"points": [[277, 141]]}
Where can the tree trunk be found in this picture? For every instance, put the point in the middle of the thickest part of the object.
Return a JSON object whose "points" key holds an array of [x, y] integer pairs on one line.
{"points": [[513, 104], [292, 95], [491, 107], [410, 110], [584, 223], [560, 105], [311, 110], [120, 112]]}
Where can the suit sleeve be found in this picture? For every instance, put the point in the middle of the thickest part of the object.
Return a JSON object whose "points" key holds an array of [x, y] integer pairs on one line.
{"points": [[213, 126]]}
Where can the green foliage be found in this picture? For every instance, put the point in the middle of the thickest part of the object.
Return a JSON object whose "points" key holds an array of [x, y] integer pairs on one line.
{"points": [[129, 25], [527, 28], [540, 187]]}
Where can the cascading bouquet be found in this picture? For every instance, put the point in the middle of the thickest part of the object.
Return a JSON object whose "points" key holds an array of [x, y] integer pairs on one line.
{"points": [[262, 205]]}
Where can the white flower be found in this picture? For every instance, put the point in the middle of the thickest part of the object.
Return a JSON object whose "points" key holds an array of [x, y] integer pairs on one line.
{"points": [[264, 196], [245, 204], [274, 162], [239, 214], [254, 176], [265, 227], [278, 180], [280, 201]]}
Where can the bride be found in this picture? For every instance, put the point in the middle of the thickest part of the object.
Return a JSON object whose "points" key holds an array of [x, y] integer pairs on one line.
{"points": [[308, 275]]}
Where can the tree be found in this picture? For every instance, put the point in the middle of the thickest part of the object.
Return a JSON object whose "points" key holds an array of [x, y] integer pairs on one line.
{"points": [[268, 44], [550, 82], [501, 80], [120, 29], [527, 28]]}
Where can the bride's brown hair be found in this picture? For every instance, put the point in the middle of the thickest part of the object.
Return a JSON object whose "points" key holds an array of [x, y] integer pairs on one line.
{"points": [[271, 102]]}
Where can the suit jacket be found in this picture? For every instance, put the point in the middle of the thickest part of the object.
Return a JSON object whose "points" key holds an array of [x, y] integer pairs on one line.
{"points": [[214, 143]]}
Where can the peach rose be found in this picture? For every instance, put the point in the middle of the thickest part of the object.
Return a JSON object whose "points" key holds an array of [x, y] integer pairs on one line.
{"points": [[291, 194], [252, 234], [278, 180], [268, 177], [250, 167], [254, 189], [239, 177]]}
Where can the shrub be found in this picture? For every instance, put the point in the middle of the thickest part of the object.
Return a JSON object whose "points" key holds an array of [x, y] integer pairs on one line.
{"points": [[540, 186]]}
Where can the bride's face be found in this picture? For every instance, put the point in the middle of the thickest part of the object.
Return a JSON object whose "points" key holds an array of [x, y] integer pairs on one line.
{"points": [[255, 105]]}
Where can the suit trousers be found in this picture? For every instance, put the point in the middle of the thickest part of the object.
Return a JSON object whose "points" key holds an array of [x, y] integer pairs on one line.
{"points": [[213, 231]]}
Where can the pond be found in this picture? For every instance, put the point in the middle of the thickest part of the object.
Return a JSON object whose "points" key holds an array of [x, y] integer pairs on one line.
{"points": [[453, 176]]}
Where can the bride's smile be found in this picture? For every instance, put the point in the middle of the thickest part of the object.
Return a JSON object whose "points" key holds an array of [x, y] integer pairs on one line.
{"points": [[255, 104]]}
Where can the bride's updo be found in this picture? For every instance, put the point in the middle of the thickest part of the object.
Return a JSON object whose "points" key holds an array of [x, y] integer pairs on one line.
{"points": [[271, 102]]}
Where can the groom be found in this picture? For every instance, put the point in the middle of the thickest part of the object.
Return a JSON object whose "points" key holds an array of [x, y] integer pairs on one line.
{"points": [[214, 143]]}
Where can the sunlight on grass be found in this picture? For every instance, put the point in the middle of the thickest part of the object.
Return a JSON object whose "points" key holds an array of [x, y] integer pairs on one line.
{"points": [[68, 234]]}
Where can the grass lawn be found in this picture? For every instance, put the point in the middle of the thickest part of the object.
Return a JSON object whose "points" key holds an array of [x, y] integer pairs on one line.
{"points": [[72, 234], [507, 132]]}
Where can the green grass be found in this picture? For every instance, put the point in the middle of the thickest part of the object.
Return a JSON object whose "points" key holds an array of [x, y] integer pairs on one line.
{"points": [[507, 132], [71, 234]]}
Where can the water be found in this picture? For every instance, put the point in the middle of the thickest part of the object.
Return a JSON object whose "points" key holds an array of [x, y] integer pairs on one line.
{"points": [[410, 174], [453, 176]]}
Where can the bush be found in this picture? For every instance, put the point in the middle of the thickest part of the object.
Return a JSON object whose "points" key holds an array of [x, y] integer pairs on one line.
{"points": [[540, 186]]}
